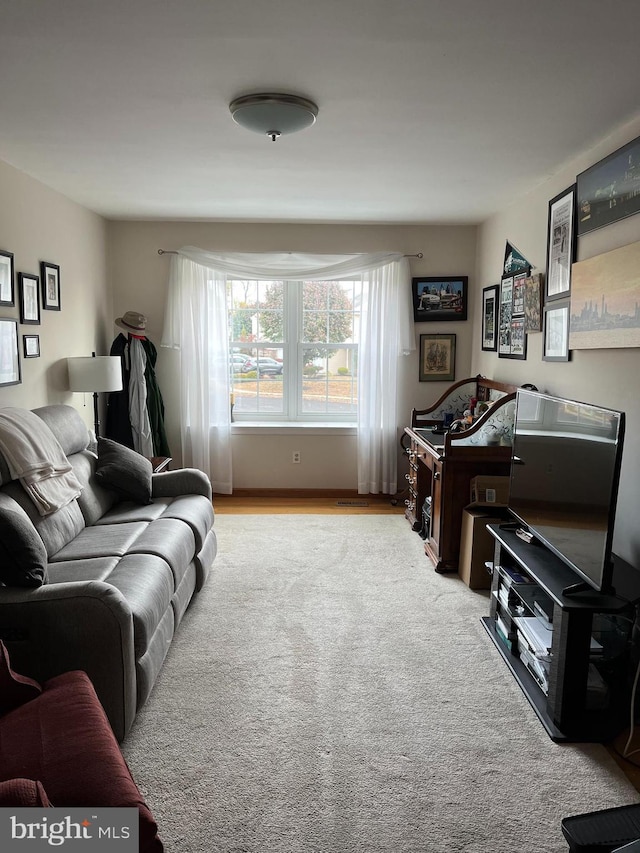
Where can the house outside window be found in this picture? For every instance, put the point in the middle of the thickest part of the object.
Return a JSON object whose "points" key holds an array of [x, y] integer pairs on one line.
{"points": [[293, 350]]}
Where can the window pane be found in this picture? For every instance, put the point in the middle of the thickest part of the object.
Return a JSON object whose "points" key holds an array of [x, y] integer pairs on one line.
{"points": [[257, 382], [327, 311], [329, 384]]}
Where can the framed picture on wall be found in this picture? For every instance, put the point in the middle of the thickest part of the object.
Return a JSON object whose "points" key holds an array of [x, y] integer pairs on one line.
{"points": [[9, 356], [490, 303], [608, 190], [556, 331], [31, 346], [533, 303], [50, 275], [437, 358], [561, 244], [512, 338], [439, 298], [29, 301], [7, 279]]}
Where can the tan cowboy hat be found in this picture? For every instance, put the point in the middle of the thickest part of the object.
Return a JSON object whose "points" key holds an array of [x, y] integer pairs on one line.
{"points": [[132, 322]]}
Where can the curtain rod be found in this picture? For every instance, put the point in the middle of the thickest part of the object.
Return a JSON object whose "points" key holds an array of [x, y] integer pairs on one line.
{"points": [[174, 252]]}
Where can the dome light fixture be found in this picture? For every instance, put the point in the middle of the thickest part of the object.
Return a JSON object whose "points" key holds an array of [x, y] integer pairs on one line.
{"points": [[273, 114]]}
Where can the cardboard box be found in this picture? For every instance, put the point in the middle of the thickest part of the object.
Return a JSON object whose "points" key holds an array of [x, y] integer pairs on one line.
{"points": [[490, 491], [476, 546]]}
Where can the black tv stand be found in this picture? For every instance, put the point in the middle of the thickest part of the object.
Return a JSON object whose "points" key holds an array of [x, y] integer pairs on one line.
{"points": [[574, 588], [576, 679]]}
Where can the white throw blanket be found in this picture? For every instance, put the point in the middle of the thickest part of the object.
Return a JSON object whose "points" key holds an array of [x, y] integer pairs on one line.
{"points": [[35, 457]]}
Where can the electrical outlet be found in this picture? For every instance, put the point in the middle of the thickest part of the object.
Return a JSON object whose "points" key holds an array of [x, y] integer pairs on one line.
{"points": [[296, 456]]}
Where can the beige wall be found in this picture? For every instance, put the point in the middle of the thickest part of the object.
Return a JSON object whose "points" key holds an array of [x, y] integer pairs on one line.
{"points": [[39, 224], [263, 459], [609, 378]]}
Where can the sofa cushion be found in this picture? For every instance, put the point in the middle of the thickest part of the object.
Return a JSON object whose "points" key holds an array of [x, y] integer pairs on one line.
{"points": [[24, 794], [23, 557], [63, 738], [124, 471], [15, 689], [101, 540]]}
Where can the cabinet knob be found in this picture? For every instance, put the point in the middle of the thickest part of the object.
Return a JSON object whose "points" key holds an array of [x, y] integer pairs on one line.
{"points": [[436, 475], [408, 477]]}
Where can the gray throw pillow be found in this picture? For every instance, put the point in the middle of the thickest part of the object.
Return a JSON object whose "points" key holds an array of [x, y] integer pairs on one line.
{"points": [[23, 557], [124, 471]]}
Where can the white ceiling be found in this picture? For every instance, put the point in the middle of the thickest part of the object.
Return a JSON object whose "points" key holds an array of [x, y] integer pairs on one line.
{"points": [[430, 110]]}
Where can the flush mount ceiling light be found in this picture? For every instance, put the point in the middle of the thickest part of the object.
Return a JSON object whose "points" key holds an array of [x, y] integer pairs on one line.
{"points": [[273, 114]]}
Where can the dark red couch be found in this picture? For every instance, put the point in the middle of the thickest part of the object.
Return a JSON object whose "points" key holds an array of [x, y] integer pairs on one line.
{"points": [[62, 739]]}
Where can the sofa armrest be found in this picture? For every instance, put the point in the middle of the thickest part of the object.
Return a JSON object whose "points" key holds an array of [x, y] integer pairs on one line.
{"points": [[184, 481], [79, 625]]}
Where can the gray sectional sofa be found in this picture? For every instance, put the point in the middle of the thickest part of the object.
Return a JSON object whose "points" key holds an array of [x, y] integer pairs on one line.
{"points": [[119, 575]]}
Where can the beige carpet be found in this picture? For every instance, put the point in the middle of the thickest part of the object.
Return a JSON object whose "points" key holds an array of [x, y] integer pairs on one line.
{"points": [[328, 692]]}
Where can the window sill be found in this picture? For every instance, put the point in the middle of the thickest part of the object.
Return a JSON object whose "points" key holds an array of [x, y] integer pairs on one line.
{"points": [[288, 428]]}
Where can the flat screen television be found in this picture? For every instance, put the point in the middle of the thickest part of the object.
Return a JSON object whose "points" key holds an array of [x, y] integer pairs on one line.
{"points": [[565, 470]]}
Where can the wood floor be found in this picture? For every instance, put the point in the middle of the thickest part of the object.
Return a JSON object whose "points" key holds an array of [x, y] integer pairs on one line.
{"points": [[251, 504], [336, 505]]}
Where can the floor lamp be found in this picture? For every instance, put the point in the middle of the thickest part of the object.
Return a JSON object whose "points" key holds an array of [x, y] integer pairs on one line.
{"points": [[96, 374]]}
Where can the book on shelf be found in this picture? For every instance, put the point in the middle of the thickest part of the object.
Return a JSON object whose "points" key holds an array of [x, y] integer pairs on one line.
{"points": [[511, 575]]}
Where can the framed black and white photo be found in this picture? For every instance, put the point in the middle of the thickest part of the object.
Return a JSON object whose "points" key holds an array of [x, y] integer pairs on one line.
{"points": [[50, 275], [437, 358], [490, 302], [561, 244], [556, 331], [29, 301], [9, 356], [439, 298], [7, 279], [31, 346]]}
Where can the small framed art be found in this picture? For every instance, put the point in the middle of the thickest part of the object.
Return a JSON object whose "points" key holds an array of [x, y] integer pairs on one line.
{"points": [[437, 358], [556, 331], [7, 279], [50, 275], [533, 303], [490, 297], [31, 346], [29, 301], [561, 244], [9, 356], [439, 298]]}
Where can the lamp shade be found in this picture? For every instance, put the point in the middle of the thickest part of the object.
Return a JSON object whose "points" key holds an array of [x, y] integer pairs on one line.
{"points": [[97, 373]]}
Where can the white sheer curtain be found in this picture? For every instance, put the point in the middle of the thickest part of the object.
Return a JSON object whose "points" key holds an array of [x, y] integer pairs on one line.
{"points": [[196, 325]]}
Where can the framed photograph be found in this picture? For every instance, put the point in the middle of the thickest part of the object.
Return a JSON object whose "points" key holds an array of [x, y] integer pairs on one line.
{"points": [[31, 346], [9, 356], [518, 338], [490, 297], [610, 189], [7, 279], [437, 358], [439, 298], [29, 301], [561, 244], [533, 303], [50, 276], [556, 331]]}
